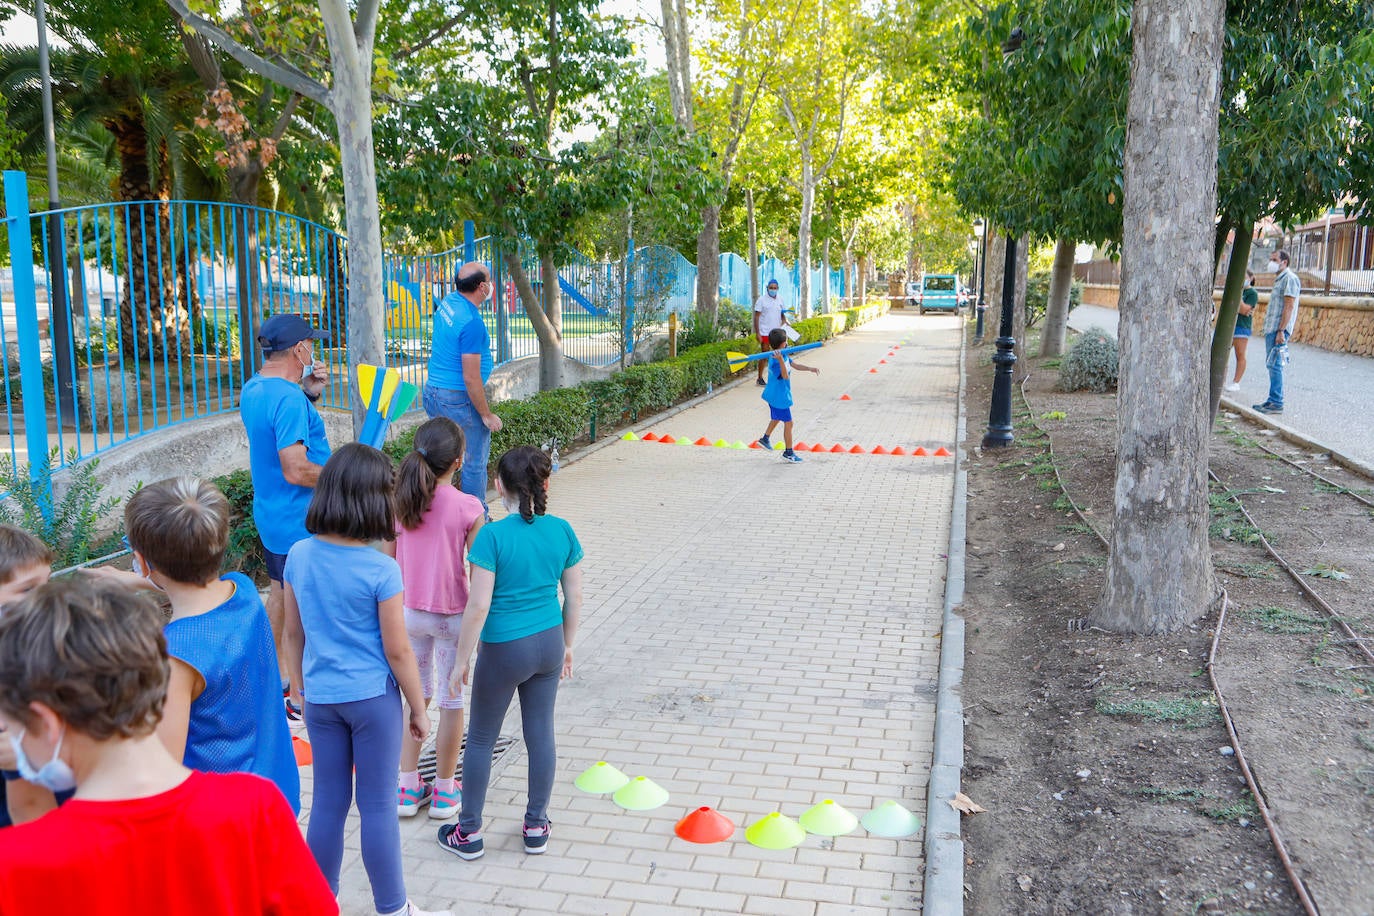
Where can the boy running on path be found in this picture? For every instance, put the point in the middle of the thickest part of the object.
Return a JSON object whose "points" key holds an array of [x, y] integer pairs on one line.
{"points": [[778, 393]]}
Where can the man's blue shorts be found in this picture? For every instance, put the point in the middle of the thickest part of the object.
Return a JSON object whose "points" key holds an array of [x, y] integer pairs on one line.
{"points": [[276, 565], [780, 413]]}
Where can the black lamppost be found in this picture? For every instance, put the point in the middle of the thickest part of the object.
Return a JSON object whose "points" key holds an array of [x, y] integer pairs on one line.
{"points": [[999, 434], [980, 232]]}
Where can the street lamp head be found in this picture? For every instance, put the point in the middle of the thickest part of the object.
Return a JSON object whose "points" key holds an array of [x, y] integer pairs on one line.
{"points": [[1013, 42], [978, 227]]}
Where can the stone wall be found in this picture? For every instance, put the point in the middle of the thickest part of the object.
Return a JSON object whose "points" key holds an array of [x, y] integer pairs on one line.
{"points": [[1344, 324]]}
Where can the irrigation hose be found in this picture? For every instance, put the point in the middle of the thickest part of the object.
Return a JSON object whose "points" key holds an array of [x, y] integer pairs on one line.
{"points": [[1275, 836]]}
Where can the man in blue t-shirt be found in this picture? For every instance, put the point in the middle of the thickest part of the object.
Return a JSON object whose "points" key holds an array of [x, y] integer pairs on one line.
{"points": [[287, 449], [459, 366]]}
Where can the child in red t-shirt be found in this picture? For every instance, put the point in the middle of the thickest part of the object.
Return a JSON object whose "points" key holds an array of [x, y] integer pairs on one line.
{"points": [[85, 677]]}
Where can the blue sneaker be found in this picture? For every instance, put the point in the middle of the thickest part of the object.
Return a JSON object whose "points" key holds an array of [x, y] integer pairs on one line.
{"points": [[791, 456], [536, 840], [463, 845], [765, 443]]}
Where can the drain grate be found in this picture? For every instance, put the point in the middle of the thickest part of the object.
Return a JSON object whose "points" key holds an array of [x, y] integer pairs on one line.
{"points": [[428, 762]]}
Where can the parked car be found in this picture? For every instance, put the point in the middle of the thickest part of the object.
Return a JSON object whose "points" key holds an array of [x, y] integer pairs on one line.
{"points": [[913, 293], [939, 292]]}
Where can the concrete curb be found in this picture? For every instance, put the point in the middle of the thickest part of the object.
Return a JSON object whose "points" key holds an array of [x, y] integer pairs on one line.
{"points": [[1297, 438], [944, 844]]}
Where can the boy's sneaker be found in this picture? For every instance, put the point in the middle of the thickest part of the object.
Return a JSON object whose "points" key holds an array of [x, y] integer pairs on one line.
{"points": [[791, 456], [410, 801], [463, 845], [446, 804], [764, 443], [410, 909], [536, 840], [1231, 386], [760, 382], [1268, 408]]}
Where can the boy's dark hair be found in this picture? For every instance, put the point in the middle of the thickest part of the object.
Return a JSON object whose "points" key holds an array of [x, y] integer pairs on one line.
{"points": [[438, 443], [20, 550], [181, 526], [524, 470], [89, 649], [776, 338], [353, 496]]}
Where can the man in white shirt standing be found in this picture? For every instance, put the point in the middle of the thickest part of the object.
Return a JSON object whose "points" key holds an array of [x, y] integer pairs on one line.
{"points": [[768, 314], [1280, 317]]}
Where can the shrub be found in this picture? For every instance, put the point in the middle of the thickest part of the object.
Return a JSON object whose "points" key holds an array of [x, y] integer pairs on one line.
{"points": [[245, 548], [1038, 295], [1091, 363], [70, 524], [734, 320]]}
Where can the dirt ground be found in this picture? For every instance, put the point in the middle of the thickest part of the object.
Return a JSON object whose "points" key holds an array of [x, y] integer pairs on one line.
{"points": [[1108, 776]]}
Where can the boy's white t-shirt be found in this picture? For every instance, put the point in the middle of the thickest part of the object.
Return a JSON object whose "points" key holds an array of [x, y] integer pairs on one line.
{"points": [[769, 309]]}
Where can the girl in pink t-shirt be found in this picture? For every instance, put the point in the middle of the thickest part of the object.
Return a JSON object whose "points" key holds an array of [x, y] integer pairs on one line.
{"points": [[435, 524]]}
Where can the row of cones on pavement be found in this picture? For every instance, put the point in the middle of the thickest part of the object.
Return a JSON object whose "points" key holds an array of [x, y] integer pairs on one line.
{"points": [[891, 819], [667, 439]]}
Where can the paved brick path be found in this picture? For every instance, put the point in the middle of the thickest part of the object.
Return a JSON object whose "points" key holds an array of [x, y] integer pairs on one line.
{"points": [[757, 636]]}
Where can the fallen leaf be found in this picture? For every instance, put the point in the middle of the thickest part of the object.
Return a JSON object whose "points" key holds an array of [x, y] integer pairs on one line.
{"points": [[1024, 882], [1059, 546], [965, 805]]}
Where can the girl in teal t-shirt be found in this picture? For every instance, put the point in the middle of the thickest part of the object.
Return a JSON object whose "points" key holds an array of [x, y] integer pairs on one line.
{"points": [[518, 565]]}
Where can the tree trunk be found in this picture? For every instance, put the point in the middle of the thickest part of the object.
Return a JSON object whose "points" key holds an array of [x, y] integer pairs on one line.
{"points": [[351, 63], [708, 265], [808, 205], [753, 252], [1225, 329], [551, 358], [1159, 573], [1057, 309], [550, 338], [1021, 368], [992, 282], [825, 275], [863, 280]]}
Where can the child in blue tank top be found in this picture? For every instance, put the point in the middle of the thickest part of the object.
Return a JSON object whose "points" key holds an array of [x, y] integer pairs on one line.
{"points": [[223, 707]]}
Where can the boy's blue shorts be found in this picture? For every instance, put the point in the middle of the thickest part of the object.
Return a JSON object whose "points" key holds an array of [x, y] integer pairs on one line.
{"points": [[780, 413]]}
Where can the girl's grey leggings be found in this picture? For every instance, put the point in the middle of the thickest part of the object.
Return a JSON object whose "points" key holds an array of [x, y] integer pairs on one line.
{"points": [[530, 665]]}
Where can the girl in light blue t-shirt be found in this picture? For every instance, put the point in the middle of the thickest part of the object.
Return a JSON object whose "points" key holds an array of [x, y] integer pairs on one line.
{"points": [[518, 565], [348, 653]]}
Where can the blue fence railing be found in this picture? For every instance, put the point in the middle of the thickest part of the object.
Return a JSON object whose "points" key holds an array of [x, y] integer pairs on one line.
{"points": [[124, 318]]}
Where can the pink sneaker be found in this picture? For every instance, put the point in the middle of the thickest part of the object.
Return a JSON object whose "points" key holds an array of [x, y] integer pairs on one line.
{"points": [[446, 804], [410, 801]]}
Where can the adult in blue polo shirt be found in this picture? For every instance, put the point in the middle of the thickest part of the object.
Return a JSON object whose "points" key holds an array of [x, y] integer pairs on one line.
{"points": [[459, 366], [287, 450]]}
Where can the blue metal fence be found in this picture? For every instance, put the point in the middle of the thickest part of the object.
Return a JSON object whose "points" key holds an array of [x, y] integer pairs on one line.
{"points": [[129, 317]]}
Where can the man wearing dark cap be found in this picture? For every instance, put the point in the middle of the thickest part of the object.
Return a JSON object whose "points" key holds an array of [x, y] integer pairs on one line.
{"points": [[459, 366], [287, 449]]}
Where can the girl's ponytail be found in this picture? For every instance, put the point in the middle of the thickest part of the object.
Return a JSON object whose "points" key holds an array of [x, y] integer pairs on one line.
{"points": [[438, 443], [524, 470]]}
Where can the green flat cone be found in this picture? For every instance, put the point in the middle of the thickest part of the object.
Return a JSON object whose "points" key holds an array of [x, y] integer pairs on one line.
{"points": [[640, 794], [775, 831], [891, 820], [600, 778], [685, 441], [828, 819], [739, 444], [779, 446], [630, 436], [721, 443]]}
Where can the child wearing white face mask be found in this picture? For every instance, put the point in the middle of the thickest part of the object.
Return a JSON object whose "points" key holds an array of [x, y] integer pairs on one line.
{"points": [[223, 701], [85, 677]]}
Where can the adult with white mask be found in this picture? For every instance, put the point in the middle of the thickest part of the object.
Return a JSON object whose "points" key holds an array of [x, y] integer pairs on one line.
{"points": [[1280, 317], [459, 365], [287, 449], [769, 313]]}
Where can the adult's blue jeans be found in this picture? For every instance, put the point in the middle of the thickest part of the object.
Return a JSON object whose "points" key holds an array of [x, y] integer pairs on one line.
{"points": [[1275, 366], [358, 742], [445, 402]]}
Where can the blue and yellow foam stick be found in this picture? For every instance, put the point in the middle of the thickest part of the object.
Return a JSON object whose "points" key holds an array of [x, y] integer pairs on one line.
{"points": [[387, 397], [740, 360]]}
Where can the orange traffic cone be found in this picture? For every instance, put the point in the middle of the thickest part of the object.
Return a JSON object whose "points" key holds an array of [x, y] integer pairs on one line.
{"points": [[650, 437], [942, 452], [666, 439], [878, 450], [837, 449], [801, 447], [857, 450], [882, 362], [818, 447], [702, 440], [845, 397], [705, 825], [872, 371], [920, 452], [302, 749], [755, 444], [898, 451]]}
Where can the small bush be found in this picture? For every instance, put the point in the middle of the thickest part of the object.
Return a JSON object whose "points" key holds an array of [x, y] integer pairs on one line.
{"points": [[68, 524], [1091, 364], [1038, 295], [245, 548]]}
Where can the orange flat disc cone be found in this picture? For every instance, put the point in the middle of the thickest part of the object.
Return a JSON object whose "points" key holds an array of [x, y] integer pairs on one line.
{"points": [[882, 362], [837, 449], [920, 451], [879, 450], [666, 439], [857, 450], [818, 447], [755, 444], [942, 452], [650, 437], [898, 451], [302, 749], [702, 441], [845, 397], [872, 371], [801, 447], [705, 825]]}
